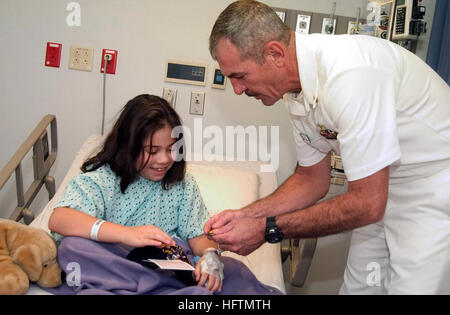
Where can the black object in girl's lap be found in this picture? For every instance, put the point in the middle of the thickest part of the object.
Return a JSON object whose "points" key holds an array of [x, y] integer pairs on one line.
{"points": [[142, 255]]}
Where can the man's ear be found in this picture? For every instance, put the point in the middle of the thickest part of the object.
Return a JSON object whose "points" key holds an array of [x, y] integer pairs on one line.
{"points": [[275, 52]]}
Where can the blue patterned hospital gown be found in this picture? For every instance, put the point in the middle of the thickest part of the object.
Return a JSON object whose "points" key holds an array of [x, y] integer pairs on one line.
{"points": [[179, 211]]}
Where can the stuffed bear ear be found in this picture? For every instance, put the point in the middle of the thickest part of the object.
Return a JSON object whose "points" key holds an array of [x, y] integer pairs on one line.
{"points": [[29, 259]]}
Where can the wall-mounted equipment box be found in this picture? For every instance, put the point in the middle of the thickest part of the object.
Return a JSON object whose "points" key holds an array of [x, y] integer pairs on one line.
{"points": [[408, 24], [111, 63], [329, 26], [53, 55], [303, 23], [315, 21], [186, 72], [219, 80]]}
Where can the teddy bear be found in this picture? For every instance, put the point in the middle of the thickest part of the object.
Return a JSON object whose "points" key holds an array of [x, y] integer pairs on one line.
{"points": [[26, 254]]}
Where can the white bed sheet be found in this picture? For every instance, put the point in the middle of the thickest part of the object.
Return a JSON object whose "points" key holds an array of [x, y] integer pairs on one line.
{"points": [[223, 185]]}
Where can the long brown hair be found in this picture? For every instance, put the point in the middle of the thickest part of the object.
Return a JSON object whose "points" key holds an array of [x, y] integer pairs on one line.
{"points": [[140, 119]]}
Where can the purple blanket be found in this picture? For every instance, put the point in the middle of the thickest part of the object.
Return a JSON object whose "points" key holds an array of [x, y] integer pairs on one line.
{"points": [[101, 268]]}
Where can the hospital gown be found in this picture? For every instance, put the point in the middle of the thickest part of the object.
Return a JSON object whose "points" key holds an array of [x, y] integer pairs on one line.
{"points": [[178, 211]]}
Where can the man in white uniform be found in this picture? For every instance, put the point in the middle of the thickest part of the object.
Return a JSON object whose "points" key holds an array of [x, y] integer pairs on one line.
{"points": [[384, 111]]}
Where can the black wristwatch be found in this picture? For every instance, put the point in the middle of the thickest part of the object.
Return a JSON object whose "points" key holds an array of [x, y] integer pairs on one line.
{"points": [[273, 233]]}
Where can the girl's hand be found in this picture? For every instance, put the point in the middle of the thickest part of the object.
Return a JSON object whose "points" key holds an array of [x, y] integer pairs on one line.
{"points": [[213, 282], [145, 235]]}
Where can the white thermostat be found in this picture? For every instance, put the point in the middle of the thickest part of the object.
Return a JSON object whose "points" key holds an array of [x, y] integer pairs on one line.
{"points": [[303, 23]]}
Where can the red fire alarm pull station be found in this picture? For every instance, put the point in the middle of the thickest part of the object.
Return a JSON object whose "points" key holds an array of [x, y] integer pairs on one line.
{"points": [[53, 55], [110, 62]]}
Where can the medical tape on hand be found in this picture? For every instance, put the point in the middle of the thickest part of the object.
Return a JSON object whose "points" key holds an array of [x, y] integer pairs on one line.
{"points": [[95, 228], [211, 264]]}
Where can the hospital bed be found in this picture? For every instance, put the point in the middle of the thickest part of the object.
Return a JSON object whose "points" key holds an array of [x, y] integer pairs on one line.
{"points": [[223, 185]]}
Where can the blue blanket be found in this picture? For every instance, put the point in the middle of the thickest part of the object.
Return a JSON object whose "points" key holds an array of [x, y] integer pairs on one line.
{"points": [[101, 268]]}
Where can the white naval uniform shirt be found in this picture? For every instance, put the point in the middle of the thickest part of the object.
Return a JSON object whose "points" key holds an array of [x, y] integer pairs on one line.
{"points": [[385, 104]]}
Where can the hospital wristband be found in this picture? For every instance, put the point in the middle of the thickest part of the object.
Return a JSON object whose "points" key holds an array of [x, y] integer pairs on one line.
{"points": [[218, 251], [95, 228]]}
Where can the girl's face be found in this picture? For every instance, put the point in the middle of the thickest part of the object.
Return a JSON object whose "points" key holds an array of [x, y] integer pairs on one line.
{"points": [[158, 156]]}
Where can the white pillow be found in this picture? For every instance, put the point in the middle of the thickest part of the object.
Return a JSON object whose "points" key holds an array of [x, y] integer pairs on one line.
{"points": [[230, 188], [224, 187]]}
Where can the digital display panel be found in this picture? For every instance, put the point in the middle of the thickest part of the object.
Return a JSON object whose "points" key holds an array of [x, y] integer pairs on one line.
{"points": [[219, 78], [186, 73]]}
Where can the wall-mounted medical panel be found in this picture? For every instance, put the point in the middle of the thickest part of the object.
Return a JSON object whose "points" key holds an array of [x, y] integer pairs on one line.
{"points": [[186, 72], [219, 80], [303, 23], [53, 55], [315, 22]]}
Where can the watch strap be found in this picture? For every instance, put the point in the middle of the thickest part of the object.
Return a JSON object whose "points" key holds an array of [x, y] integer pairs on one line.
{"points": [[270, 222]]}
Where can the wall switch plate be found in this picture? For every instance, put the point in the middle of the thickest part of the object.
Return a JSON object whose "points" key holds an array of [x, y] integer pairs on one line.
{"points": [[170, 95], [303, 23], [81, 58], [111, 65], [53, 55], [197, 103]]}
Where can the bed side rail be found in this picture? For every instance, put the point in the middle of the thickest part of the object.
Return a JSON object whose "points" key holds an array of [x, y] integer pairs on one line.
{"points": [[43, 159], [300, 252]]}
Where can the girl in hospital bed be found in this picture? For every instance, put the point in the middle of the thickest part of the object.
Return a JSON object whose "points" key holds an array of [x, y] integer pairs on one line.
{"points": [[133, 194]]}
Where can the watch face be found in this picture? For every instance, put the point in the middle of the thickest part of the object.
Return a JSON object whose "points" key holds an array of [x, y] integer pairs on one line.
{"points": [[274, 235]]}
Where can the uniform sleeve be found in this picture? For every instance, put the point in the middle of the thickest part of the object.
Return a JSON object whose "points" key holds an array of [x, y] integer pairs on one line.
{"points": [[363, 106], [193, 213], [309, 145]]}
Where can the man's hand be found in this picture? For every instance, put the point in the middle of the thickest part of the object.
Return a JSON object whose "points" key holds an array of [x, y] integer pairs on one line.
{"points": [[236, 232], [222, 222]]}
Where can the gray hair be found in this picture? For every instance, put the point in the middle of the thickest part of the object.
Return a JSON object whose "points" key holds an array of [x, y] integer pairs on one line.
{"points": [[249, 25]]}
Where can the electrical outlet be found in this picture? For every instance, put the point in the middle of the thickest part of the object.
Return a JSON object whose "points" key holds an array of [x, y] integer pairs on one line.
{"points": [[197, 103], [170, 95], [81, 58]]}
